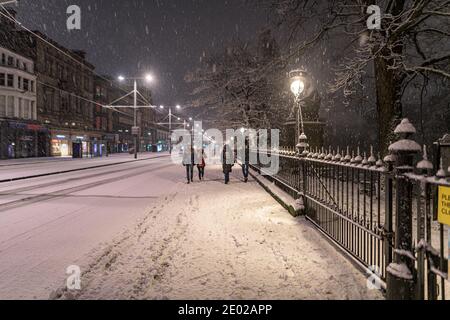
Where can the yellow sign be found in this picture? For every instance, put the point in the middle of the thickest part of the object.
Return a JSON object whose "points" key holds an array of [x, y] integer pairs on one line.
{"points": [[444, 205]]}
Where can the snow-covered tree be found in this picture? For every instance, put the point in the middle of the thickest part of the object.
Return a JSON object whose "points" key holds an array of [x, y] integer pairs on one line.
{"points": [[413, 42], [240, 86]]}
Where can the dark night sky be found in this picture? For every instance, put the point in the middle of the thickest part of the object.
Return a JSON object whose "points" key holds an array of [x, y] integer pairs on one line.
{"points": [[166, 37]]}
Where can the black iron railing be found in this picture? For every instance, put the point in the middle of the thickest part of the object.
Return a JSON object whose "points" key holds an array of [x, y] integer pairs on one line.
{"points": [[363, 203]]}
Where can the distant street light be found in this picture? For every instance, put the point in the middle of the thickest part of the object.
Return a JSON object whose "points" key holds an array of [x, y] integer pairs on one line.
{"points": [[147, 78], [299, 83], [178, 107]]}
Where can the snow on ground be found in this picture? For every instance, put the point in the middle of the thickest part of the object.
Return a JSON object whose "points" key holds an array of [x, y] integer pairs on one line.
{"points": [[62, 218], [211, 241], [17, 168]]}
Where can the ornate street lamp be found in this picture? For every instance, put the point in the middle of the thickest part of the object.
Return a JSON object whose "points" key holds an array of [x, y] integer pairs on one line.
{"points": [[299, 84]]}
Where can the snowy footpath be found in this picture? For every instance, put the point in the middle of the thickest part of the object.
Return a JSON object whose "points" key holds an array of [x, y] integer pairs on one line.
{"points": [[211, 241]]}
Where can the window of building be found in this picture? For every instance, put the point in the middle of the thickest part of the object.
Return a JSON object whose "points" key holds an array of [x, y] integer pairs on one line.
{"points": [[26, 84], [10, 81], [20, 108], [98, 91], [10, 61], [48, 66], [10, 108], [3, 59], [33, 112], [60, 72], [2, 106], [2, 79], [19, 82], [64, 103], [26, 109], [49, 101], [32, 86]]}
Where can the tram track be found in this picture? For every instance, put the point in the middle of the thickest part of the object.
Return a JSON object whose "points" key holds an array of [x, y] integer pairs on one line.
{"points": [[65, 181], [67, 191]]}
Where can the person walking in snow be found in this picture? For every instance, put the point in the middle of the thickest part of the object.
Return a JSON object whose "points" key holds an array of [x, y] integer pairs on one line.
{"points": [[246, 160], [227, 162], [201, 164], [188, 162]]}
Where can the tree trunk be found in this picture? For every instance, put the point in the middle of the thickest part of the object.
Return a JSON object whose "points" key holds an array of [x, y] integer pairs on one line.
{"points": [[389, 86], [389, 104]]}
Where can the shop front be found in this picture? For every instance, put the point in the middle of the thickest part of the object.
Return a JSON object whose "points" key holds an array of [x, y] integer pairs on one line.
{"points": [[111, 143], [77, 145], [20, 139]]}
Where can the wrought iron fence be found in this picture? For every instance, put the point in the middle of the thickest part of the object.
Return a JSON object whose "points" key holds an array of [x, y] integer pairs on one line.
{"points": [[381, 212]]}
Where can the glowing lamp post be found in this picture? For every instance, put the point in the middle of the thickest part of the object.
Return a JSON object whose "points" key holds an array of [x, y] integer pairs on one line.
{"points": [[299, 83]]}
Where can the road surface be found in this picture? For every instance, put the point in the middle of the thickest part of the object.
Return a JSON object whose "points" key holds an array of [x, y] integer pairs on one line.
{"points": [[138, 231]]}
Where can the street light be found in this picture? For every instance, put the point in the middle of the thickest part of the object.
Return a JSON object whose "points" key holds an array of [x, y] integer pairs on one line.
{"points": [[297, 87], [149, 78], [178, 107], [299, 82], [135, 131]]}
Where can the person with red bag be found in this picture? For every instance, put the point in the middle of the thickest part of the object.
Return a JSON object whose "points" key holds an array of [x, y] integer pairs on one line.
{"points": [[201, 165]]}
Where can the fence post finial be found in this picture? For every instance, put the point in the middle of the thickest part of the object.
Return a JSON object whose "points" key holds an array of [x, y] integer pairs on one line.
{"points": [[425, 166], [348, 157], [372, 160], [358, 158], [330, 155], [380, 162], [365, 161]]}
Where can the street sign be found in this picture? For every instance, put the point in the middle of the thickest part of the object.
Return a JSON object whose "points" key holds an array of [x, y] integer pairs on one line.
{"points": [[444, 205], [136, 131]]}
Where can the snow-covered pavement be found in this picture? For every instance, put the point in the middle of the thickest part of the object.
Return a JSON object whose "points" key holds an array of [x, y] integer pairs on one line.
{"points": [[211, 241]]}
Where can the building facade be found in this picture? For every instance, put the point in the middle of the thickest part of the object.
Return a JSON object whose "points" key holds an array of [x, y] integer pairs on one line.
{"points": [[65, 95], [51, 102], [21, 135]]}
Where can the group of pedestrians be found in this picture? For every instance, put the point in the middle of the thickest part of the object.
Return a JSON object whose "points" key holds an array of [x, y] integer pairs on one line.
{"points": [[192, 158]]}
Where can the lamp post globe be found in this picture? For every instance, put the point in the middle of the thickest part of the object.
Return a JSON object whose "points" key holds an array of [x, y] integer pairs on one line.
{"points": [[297, 86], [299, 82]]}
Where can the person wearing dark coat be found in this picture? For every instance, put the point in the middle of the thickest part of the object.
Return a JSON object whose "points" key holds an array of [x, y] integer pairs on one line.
{"points": [[246, 160], [201, 165], [227, 162], [188, 162]]}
